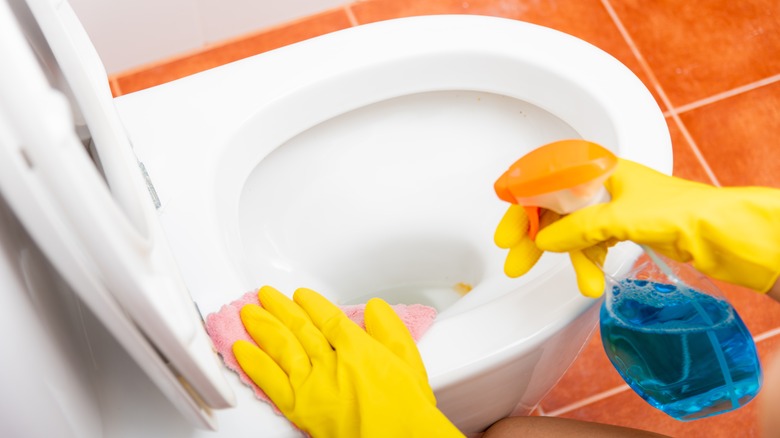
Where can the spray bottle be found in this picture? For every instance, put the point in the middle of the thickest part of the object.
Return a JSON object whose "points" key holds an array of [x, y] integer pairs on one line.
{"points": [[668, 330]]}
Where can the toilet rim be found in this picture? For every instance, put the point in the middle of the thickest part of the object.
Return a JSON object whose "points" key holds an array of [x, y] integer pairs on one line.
{"points": [[471, 53], [215, 119], [327, 84], [423, 48]]}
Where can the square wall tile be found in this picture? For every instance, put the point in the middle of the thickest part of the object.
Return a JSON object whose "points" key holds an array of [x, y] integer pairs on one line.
{"points": [[738, 136], [700, 48]]}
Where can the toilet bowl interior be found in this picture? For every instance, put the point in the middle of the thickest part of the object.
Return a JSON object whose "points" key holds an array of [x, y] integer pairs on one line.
{"points": [[369, 183], [394, 199]]}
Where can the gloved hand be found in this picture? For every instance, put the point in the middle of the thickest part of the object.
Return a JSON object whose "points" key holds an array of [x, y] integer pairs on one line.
{"points": [[512, 234], [731, 234], [333, 379]]}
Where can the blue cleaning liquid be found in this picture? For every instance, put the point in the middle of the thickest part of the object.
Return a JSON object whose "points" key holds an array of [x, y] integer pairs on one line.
{"points": [[683, 351]]}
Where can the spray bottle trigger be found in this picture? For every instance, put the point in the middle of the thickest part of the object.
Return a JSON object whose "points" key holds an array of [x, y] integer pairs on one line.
{"points": [[533, 220]]}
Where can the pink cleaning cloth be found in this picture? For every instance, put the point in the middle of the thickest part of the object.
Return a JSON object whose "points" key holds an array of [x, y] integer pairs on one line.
{"points": [[225, 328]]}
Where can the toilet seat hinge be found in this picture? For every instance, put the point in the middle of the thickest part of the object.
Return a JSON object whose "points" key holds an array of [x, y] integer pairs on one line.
{"points": [[150, 186]]}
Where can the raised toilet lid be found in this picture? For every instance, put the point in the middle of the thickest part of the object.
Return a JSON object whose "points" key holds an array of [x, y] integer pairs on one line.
{"points": [[106, 244]]}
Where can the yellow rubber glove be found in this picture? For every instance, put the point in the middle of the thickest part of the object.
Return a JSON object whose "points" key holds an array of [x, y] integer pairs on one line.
{"points": [[333, 379], [512, 234], [731, 234]]}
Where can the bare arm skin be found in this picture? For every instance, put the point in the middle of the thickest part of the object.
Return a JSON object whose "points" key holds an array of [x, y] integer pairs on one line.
{"points": [[544, 427]]}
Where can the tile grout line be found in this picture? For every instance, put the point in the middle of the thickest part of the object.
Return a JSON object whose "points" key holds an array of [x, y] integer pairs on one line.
{"points": [[350, 15], [766, 335], [657, 85], [726, 94], [588, 400], [114, 85], [695, 149]]}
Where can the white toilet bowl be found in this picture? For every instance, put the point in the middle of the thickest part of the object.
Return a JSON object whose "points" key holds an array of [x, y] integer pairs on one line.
{"points": [[361, 163]]}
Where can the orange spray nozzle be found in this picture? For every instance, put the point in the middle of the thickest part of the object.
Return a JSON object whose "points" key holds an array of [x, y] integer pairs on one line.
{"points": [[533, 213], [562, 176]]}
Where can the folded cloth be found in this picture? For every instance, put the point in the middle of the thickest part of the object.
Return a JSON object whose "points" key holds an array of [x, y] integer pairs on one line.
{"points": [[225, 328]]}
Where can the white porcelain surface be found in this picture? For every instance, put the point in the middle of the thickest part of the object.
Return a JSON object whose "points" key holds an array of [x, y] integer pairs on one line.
{"points": [[413, 129], [37, 303], [394, 199]]}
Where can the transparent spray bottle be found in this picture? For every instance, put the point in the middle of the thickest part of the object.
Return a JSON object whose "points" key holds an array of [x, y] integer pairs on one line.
{"points": [[666, 328]]}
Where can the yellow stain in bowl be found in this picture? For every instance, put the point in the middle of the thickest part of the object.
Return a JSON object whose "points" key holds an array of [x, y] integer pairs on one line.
{"points": [[462, 288]]}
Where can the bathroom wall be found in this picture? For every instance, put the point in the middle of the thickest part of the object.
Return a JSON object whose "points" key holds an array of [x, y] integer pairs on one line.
{"points": [[131, 33]]}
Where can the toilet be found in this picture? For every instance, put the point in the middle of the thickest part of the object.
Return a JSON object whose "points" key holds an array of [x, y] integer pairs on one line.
{"points": [[359, 163]]}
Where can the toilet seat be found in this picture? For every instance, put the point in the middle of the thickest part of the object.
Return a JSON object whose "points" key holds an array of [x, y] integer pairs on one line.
{"points": [[197, 137]]}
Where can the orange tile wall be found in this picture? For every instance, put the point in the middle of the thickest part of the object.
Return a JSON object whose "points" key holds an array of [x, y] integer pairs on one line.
{"points": [[714, 68]]}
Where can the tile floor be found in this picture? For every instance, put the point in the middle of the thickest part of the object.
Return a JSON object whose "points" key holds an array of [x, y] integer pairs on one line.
{"points": [[713, 67]]}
